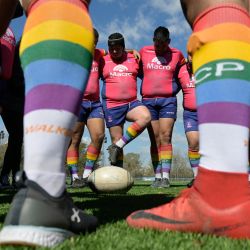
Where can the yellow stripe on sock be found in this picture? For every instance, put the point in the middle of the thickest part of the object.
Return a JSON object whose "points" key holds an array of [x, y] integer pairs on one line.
{"points": [[58, 30], [221, 50]]}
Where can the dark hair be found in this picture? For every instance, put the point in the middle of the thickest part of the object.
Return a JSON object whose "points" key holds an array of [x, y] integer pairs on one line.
{"points": [[96, 34], [161, 33], [116, 39]]}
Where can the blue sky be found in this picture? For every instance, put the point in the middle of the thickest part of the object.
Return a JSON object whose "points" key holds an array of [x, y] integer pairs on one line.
{"points": [[136, 20]]}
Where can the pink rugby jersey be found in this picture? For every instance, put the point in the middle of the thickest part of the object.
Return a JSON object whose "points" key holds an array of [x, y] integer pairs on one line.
{"points": [[161, 74], [119, 80], [189, 99], [92, 90]]}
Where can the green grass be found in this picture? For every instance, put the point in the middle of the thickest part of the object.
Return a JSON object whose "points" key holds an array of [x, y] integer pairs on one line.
{"points": [[114, 233]]}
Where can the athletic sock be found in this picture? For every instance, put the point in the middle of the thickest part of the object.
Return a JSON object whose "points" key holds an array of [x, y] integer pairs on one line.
{"points": [[154, 157], [166, 153], [91, 157], [131, 133], [72, 162], [221, 65], [194, 158], [56, 55]]}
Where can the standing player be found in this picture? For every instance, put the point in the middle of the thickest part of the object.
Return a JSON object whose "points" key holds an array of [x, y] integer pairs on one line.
{"points": [[190, 121], [56, 56], [219, 200], [162, 68], [119, 72], [91, 115]]}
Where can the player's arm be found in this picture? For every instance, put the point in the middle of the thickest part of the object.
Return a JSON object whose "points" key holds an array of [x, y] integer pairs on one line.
{"points": [[135, 53]]}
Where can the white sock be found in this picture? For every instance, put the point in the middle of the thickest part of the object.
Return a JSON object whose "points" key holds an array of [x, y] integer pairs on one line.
{"points": [[86, 173], [158, 176], [195, 171], [46, 140], [222, 147], [75, 176], [165, 175], [120, 143]]}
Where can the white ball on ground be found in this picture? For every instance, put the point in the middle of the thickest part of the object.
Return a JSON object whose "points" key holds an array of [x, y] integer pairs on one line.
{"points": [[110, 179]]}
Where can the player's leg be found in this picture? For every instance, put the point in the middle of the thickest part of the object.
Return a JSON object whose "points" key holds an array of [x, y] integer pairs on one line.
{"points": [[219, 201], [190, 121], [96, 130], [73, 151], [13, 121], [56, 54], [166, 151], [115, 152], [153, 132], [193, 152], [140, 117]]}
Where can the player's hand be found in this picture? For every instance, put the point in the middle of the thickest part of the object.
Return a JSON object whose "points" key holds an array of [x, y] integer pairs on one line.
{"points": [[136, 55]]}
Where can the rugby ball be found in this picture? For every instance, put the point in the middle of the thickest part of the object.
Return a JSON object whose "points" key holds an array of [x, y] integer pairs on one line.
{"points": [[110, 179]]}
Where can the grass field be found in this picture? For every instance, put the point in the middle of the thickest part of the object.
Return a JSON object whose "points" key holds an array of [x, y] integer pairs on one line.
{"points": [[114, 233]]}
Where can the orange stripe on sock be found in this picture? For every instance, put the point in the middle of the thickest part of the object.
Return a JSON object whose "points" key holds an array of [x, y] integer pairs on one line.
{"points": [[68, 11]]}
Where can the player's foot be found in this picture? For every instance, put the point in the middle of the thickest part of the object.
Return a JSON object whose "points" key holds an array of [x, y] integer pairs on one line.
{"points": [[38, 219], [191, 213], [79, 183], [156, 183], [164, 183], [114, 152], [190, 184]]}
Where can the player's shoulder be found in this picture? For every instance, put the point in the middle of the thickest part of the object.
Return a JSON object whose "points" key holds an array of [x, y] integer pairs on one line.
{"points": [[147, 48], [175, 50]]}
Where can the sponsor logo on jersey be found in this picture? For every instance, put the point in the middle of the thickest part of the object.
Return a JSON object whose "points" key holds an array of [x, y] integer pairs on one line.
{"points": [[158, 62], [94, 68], [9, 37], [120, 70]]}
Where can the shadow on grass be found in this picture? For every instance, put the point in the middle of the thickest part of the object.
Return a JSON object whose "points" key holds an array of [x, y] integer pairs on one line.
{"points": [[115, 207]]}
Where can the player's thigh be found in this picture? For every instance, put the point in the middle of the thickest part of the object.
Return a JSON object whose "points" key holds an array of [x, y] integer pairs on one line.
{"points": [[139, 113], [166, 128]]}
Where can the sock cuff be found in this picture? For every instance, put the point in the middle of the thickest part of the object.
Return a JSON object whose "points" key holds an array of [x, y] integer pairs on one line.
{"points": [[93, 150], [166, 147], [221, 13], [33, 4]]}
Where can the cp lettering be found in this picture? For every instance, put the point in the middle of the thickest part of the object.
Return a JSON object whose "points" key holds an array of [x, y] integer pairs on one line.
{"points": [[218, 71]]}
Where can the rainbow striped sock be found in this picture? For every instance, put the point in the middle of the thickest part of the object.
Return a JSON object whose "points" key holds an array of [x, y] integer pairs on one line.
{"points": [[166, 159], [56, 55], [131, 133], [72, 162], [221, 64], [194, 158], [91, 157], [155, 158]]}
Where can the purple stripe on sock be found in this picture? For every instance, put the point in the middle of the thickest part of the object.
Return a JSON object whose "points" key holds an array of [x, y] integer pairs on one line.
{"points": [[221, 112], [53, 96]]}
